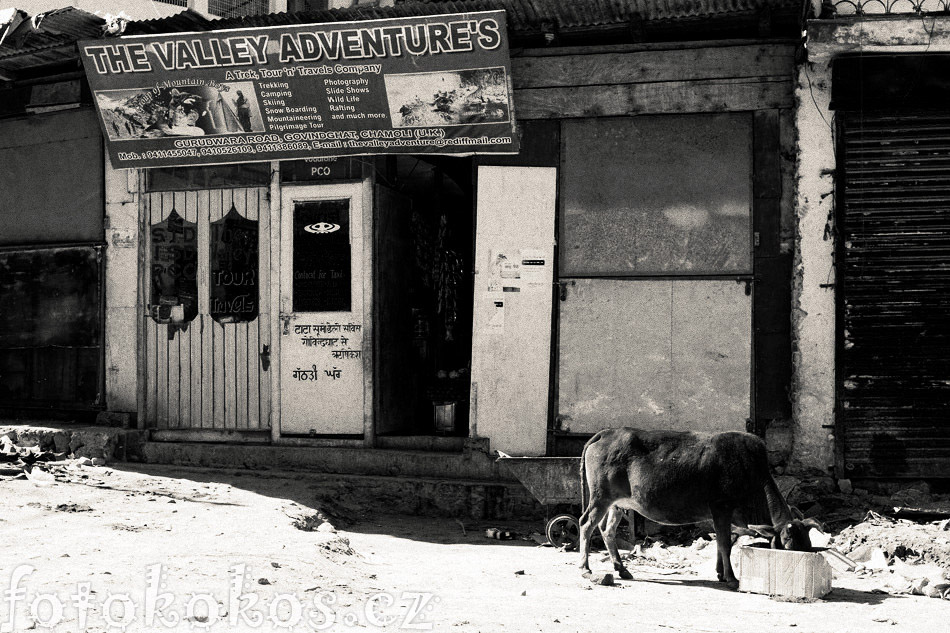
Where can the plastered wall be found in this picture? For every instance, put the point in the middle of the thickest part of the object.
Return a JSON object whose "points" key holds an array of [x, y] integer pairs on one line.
{"points": [[511, 347], [813, 298], [121, 272]]}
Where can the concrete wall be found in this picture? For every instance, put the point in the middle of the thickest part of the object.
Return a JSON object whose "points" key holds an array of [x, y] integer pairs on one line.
{"points": [[813, 299], [511, 345], [121, 271]]}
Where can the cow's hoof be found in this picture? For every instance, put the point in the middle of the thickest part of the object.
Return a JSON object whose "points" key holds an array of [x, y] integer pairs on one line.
{"points": [[585, 573], [624, 574], [733, 584]]}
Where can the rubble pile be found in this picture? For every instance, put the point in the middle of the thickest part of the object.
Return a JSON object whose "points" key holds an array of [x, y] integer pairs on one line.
{"points": [[898, 539], [19, 456]]}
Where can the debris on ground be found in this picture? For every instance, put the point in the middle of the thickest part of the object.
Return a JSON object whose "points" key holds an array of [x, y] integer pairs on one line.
{"points": [[338, 545], [321, 519], [908, 557], [499, 534], [19, 461], [909, 541]]}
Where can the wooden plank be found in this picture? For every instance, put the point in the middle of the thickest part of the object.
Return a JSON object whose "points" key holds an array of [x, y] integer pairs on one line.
{"points": [[141, 331], [275, 272], [788, 134], [161, 339], [253, 334], [561, 51], [767, 176], [210, 435], [675, 97], [177, 201], [151, 336], [269, 215], [204, 321], [653, 66], [218, 370], [230, 343], [194, 329], [241, 403]]}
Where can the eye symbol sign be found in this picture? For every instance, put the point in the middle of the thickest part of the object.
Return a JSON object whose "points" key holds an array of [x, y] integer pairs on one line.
{"points": [[321, 227]]}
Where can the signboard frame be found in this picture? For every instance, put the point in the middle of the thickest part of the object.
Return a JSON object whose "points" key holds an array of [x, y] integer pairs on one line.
{"points": [[435, 84]]}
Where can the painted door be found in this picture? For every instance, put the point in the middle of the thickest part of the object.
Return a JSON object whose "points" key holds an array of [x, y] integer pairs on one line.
{"points": [[655, 268], [207, 318], [323, 333]]}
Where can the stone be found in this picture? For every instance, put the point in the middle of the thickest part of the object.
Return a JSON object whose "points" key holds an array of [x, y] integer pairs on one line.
{"points": [[84, 461], [98, 461], [844, 485], [605, 579], [61, 442]]}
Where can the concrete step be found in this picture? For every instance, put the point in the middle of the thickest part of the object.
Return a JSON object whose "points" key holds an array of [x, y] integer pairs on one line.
{"points": [[464, 485], [475, 465]]}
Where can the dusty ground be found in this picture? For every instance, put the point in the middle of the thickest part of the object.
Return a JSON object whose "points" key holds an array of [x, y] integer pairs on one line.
{"points": [[107, 526]]}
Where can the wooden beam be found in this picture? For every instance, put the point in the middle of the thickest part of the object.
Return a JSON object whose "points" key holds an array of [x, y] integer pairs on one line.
{"points": [[653, 66], [646, 46], [672, 97], [231, 436]]}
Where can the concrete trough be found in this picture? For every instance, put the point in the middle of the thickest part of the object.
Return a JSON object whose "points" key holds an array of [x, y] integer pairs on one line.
{"points": [[782, 573]]}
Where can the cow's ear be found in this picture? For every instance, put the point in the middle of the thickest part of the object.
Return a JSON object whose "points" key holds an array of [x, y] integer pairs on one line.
{"points": [[812, 523], [766, 531]]}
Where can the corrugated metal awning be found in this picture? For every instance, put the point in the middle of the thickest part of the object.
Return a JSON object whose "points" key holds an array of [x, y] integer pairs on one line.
{"points": [[50, 40]]}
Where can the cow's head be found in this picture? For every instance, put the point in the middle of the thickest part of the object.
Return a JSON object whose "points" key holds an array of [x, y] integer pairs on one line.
{"points": [[791, 535]]}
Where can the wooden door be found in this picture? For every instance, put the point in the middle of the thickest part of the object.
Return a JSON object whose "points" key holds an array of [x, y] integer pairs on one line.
{"points": [[324, 344], [204, 369]]}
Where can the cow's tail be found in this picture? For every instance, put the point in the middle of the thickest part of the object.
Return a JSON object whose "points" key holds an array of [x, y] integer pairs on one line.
{"points": [[584, 475]]}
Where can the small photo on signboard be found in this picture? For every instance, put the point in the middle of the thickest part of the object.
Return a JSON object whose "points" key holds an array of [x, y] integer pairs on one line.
{"points": [[226, 108], [453, 97]]}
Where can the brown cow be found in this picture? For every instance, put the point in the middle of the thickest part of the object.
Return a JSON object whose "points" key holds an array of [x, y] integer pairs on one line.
{"points": [[677, 478]]}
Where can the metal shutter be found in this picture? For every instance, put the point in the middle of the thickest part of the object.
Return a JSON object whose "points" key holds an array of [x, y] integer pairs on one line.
{"points": [[893, 373]]}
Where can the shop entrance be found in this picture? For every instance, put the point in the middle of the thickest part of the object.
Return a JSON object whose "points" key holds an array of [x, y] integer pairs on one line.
{"points": [[324, 346], [423, 296]]}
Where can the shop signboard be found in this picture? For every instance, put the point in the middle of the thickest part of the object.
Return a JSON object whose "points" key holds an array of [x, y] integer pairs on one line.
{"points": [[425, 84]]}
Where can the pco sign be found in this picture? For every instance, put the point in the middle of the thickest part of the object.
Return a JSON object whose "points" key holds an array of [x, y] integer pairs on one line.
{"points": [[321, 169]]}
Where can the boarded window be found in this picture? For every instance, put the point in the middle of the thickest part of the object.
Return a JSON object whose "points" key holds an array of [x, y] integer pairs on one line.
{"points": [[51, 177], [656, 195], [50, 327]]}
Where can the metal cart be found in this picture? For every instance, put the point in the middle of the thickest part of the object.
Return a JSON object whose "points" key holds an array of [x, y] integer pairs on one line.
{"points": [[554, 481]]}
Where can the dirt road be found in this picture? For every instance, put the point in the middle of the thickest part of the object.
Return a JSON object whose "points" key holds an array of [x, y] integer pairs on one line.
{"points": [[112, 530]]}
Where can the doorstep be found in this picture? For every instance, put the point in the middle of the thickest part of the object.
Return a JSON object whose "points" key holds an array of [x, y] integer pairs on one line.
{"points": [[474, 463]]}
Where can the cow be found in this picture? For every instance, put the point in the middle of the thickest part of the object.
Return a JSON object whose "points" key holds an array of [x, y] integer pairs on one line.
{"points": [[677, 478]]}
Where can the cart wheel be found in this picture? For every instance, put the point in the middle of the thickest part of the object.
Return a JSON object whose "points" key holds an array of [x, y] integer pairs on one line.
{"points": [[564, 530]]}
